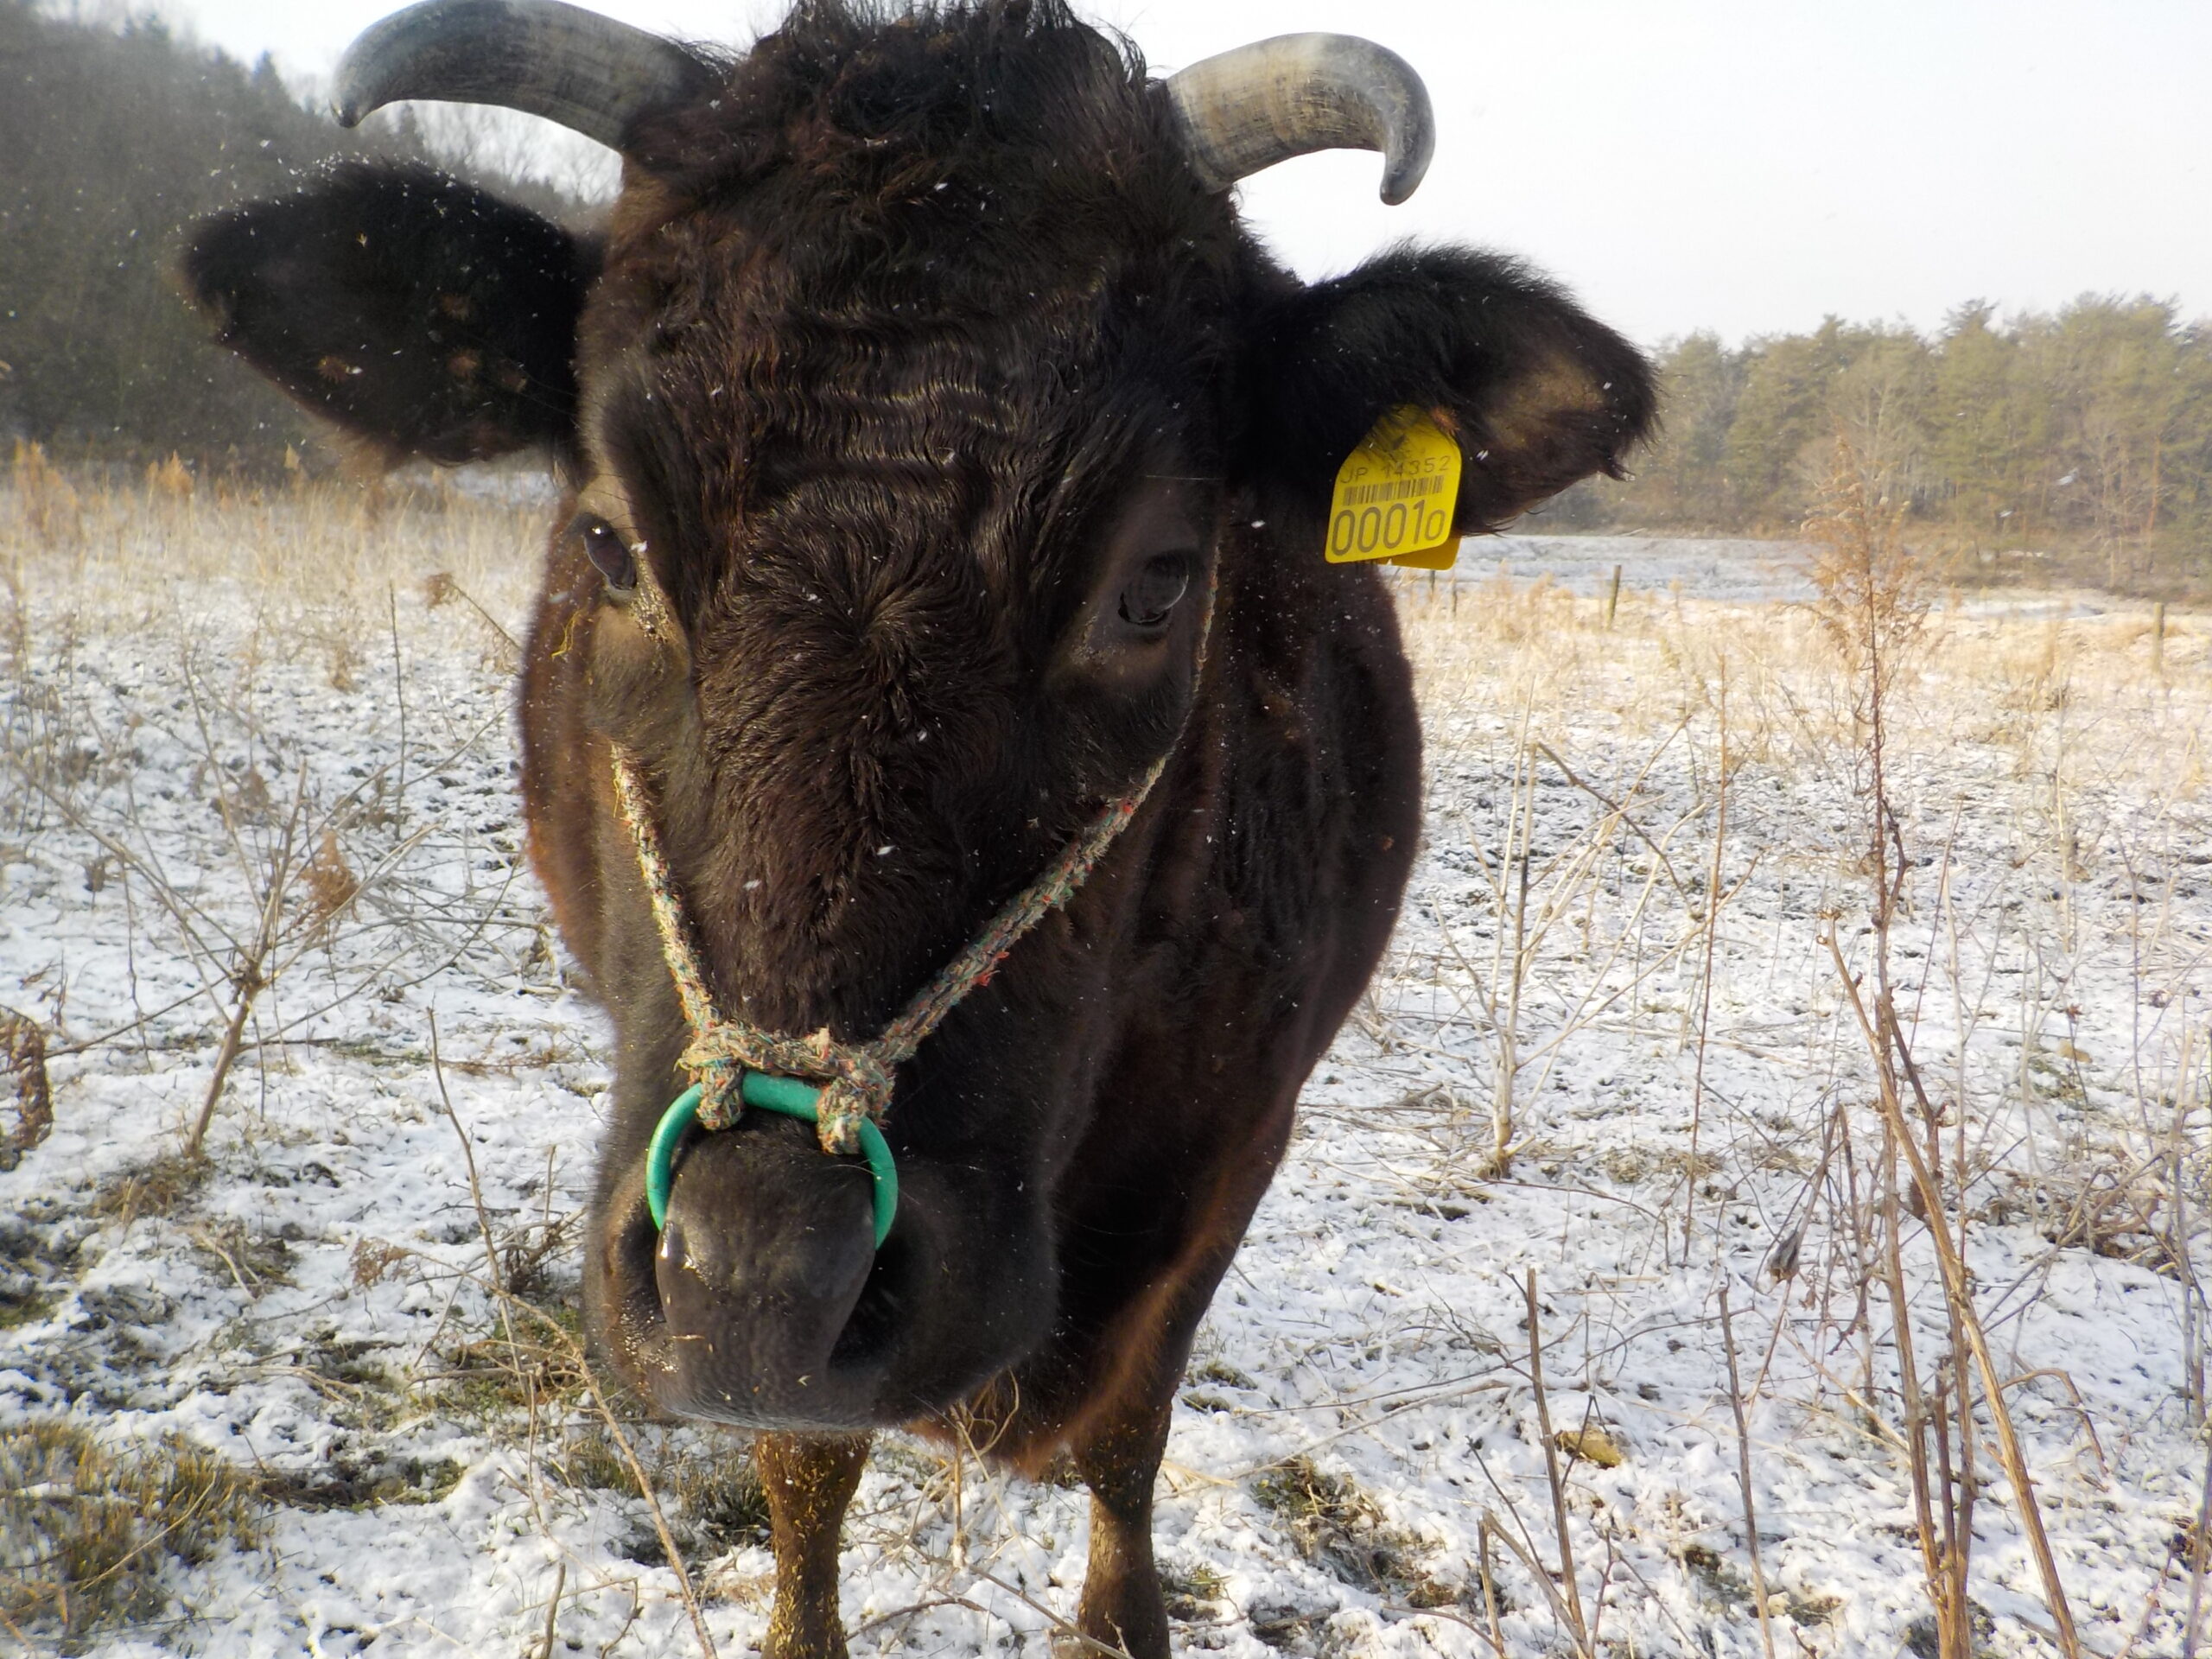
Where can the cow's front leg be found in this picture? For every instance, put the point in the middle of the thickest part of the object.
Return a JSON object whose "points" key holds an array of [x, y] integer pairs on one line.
{"points": [[808, 1480], [1121, 1603]]}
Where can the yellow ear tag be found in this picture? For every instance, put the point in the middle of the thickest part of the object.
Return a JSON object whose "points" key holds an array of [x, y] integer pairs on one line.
{"points": [[1395, 495]]}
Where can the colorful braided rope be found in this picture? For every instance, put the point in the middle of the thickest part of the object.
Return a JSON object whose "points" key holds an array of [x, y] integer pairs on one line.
{"points": [[857, 1078]]}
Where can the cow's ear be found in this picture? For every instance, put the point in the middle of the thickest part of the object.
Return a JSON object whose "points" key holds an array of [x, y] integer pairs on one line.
{"points": [[423, 316], [1538, 394]]}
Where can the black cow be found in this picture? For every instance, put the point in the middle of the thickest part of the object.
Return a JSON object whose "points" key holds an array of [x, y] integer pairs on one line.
{"points": [[945, 456]]}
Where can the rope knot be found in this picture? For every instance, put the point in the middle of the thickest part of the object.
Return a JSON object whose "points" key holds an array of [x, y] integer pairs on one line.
{"points": [[857, 1081]]}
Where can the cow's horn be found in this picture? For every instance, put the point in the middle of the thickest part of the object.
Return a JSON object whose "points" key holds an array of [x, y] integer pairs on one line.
{"points": [[588, 72], [1274, 100]]}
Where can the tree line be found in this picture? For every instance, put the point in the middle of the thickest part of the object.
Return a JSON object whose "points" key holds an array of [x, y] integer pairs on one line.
{"points": [[111, 140], [2087, 433]]}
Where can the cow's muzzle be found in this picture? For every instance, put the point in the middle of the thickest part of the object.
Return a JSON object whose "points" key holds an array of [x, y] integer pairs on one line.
{"points": [[763, 1300]]}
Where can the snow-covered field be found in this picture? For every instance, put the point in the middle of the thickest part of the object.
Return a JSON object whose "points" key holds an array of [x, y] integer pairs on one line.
{"points": [[247, 763]]}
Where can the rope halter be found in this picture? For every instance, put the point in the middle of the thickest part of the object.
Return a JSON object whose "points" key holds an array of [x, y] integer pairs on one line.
{"points": [[731, 1064], [843, 1089]]}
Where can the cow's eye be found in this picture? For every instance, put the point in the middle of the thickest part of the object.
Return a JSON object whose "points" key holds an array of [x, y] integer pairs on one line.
{"points": [[1146, 601], [615, 559]]}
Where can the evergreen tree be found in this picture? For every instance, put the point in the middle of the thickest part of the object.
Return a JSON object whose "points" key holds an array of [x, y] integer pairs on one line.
{"points": [[2089, 431]]}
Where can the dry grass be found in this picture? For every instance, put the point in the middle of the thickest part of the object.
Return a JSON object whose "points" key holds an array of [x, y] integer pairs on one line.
{"points": [[88, 1532], [1342, 1527], [321, 554], [22, 1058]]}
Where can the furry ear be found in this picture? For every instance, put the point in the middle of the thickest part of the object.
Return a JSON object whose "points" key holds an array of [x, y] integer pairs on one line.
{"points": [[1538, 394], [421, 314]]}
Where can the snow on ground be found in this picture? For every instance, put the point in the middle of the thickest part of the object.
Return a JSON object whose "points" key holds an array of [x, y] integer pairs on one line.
{"points": [[1736, 571], [1359, 1426], [1730, 570]]}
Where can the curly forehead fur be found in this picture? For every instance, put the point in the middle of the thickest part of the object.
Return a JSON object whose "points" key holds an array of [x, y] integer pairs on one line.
{"points": [[872, 108]]}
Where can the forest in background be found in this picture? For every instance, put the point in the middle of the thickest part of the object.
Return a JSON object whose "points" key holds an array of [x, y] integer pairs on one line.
{"points": [[2023, 444], [2084, 438]]}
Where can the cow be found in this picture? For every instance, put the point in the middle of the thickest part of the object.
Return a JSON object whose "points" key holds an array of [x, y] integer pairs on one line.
{"points": [[947, 472]]}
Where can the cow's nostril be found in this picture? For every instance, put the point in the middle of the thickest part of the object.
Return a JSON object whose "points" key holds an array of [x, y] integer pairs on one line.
{"points": [[688, 1302], [627, 1298], [874, 1318], [671, 1248], [765, 1250]]}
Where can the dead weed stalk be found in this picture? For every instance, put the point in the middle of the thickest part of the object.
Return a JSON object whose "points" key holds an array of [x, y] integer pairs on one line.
{"points": [[1874, 594]]}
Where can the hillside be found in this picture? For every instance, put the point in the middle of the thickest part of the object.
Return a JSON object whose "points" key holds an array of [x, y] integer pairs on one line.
{"points": [[110, 140]]}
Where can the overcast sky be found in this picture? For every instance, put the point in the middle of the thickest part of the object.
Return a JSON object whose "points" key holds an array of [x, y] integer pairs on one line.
{"points": [[1738, 165]]}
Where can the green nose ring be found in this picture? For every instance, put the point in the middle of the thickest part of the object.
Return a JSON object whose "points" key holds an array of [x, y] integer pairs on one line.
{"points": [[771, 1094]]}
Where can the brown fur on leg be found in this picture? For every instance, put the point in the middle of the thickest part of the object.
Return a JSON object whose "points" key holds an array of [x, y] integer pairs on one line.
{"points": [[808, 1480], [1121, 1603]]}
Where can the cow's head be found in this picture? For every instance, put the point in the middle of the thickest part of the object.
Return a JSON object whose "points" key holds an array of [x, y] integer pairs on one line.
{"points": [[923, 379]]}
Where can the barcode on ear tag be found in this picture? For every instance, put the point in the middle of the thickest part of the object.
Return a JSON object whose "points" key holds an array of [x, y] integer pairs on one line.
{"points": [[1395, 495]]}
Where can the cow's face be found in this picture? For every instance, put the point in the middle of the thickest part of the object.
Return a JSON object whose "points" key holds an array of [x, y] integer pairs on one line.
{"points": [[922, 434], [920, 390], [930, 494]]}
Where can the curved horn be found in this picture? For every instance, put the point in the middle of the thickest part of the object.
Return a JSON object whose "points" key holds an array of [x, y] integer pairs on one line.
{"points": [[1271, 100], [590, 74]]}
